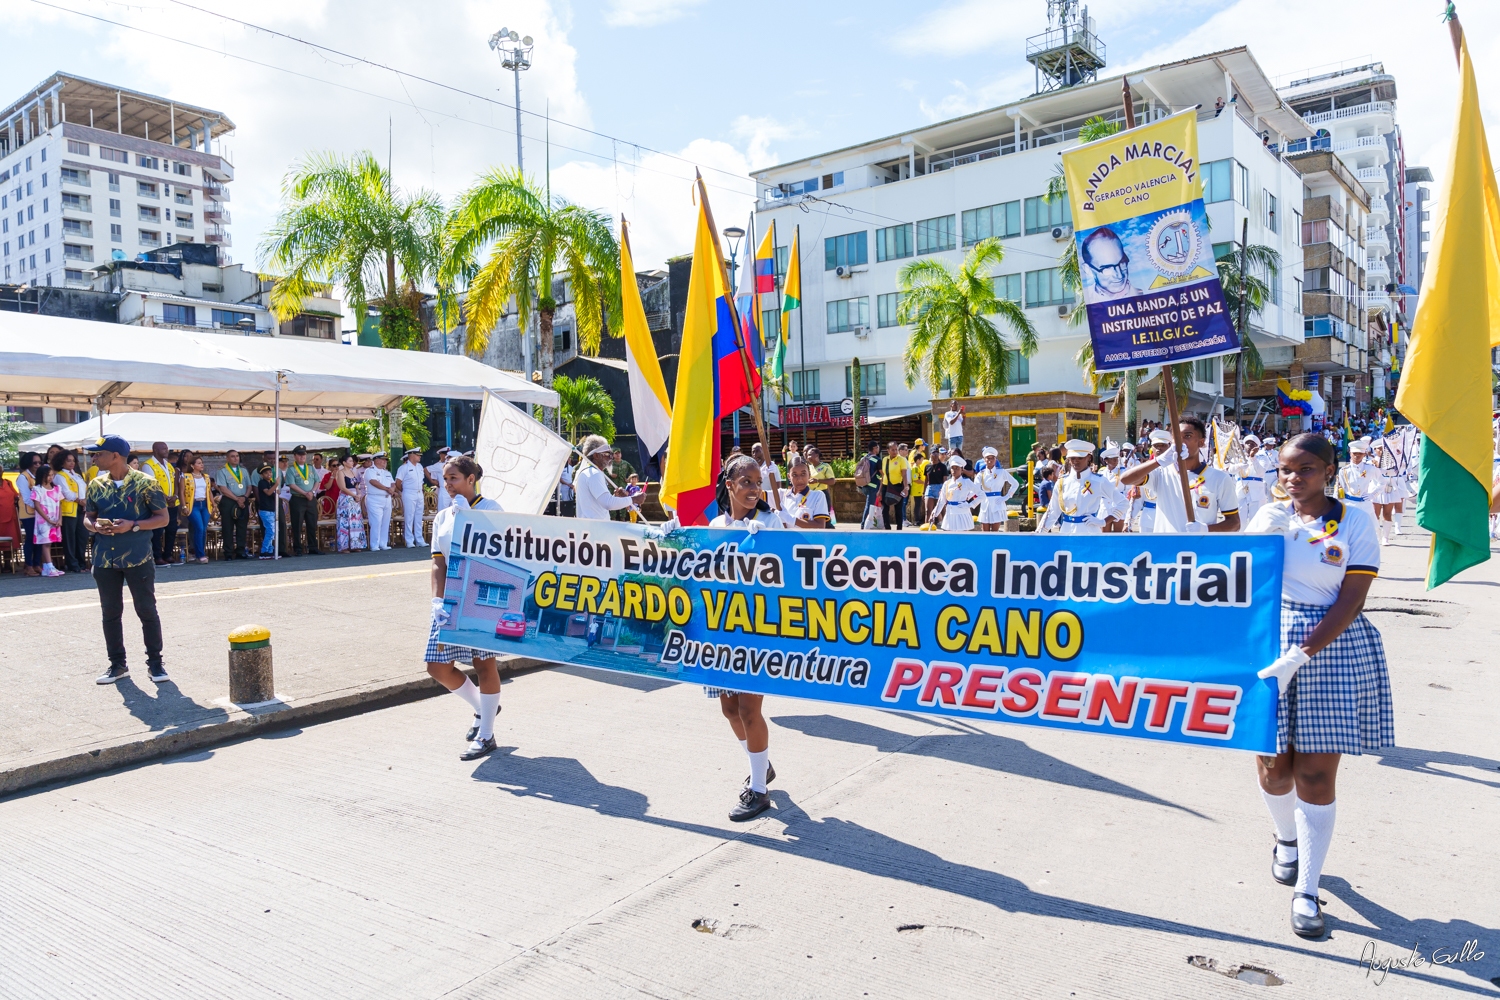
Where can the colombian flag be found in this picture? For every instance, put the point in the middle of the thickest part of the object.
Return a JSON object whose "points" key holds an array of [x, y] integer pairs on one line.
{"points": [[791, 298], [711, 380], [747, 300], [765, 263]]}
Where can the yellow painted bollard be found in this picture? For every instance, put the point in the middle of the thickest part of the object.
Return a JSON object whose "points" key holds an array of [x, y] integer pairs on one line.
{"points": [[250, 679]]}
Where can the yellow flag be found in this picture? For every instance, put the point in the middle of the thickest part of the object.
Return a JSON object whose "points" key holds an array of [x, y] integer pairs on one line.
{"points": [[1445, 383]]}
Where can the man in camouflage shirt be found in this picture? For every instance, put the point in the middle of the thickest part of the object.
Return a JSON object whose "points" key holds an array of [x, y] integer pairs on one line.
{"points": [[121, 509]]}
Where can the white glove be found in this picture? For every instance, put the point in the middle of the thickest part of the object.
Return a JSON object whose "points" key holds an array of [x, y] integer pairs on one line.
{"points": [[1098, 520], [1167, 458], [1285, 668], [753, 526], [1279, 520], [440, 615], [1196, 528]]}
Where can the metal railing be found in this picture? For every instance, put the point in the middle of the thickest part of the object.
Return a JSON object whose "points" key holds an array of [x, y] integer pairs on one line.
{"points": [[1353, 111], [1361, 142]]}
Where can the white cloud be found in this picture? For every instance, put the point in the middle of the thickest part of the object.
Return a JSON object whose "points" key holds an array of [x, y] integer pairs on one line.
{"points": [[655, 192], [644, 13], [759, 132]]}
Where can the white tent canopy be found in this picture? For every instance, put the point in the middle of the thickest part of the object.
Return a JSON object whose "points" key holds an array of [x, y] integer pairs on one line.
{"points": [[188, 430], [81, 364]]}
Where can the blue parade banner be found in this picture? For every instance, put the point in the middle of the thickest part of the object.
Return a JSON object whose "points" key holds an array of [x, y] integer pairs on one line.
{"points": [[1153, 636]]}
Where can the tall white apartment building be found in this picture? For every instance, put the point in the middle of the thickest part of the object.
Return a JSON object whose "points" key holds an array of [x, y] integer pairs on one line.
{"points": [[867, 210], [91, 172]]}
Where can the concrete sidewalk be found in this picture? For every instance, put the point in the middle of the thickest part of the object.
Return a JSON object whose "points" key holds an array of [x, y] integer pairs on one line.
{"points": [[906, 857], [348, 631]]}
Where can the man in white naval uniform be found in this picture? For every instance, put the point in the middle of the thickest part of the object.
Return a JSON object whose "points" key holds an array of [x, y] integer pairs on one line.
{"points": [[1083, 500], [435, 478], [410, 477], [380, 489]]}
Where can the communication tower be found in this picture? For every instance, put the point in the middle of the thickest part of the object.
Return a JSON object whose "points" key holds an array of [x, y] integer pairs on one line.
{"points": [[1068, 52]]}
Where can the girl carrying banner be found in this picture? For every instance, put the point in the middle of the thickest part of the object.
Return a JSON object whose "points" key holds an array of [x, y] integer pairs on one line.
{"points": [[1335, 692], [461, 479], [748, 510]]}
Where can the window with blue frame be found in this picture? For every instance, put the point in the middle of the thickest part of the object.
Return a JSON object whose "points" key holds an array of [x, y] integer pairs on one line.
{"points": [[935, 235], [229, 317], [805, 386], [179, 315], [1008, 286], [493, 595], [893, 242], [797, 187], [846, 314], [886, 308], [1000, 221], [1020, 368], [1043, 214], [1045, 288], [846, 250]]}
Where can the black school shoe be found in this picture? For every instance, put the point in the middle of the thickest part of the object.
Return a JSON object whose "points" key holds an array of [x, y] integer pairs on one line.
{"points": [[751, 805], [158, 674], [1308, 927], [473, 732], [478, 749], [770, 774], [1286, 874]]}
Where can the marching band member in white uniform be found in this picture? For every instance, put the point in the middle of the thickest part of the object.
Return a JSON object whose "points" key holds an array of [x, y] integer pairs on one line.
{"points": [[1216, 506], [1392, 495], [1250, 478], [997, 485], [1112, 471], [1334, 689], [1160, 441], [957, 500], [1083, 500], [1360, 480]]}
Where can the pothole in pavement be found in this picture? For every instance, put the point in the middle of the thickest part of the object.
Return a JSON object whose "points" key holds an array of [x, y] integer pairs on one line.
{"points": [[729, 931], [1422, 612], [1253, 974], [940, 931]]}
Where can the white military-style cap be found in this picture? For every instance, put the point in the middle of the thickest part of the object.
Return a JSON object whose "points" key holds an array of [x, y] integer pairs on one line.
{"points": [[1270, 439], [1160, 436], [1251, 439], [1359, 446], [1077, 448], [988, 451], [957, 462], [1113, 451]]}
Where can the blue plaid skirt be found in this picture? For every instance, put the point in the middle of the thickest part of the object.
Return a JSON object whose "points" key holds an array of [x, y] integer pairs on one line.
{"points": [[439, 652], [1340, 701], [709, 692]]}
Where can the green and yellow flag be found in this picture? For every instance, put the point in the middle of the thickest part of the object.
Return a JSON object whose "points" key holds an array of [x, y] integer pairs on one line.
{"points": [[791, 298], [1445, 388]]}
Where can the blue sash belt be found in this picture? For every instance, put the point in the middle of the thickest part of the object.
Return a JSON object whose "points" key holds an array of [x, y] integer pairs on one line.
{"points": [[1072, 519], [1148, 505]]}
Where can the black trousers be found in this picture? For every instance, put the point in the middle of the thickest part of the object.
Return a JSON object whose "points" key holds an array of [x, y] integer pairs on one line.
{"points": [[304, 515], [894, 508], [164, 540], [142, 583], [234, 528], [75, 542]]}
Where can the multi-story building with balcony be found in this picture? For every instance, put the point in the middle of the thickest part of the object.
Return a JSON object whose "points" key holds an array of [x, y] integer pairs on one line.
{"points": [[867, 210], [91, 173], [1353, 114]]}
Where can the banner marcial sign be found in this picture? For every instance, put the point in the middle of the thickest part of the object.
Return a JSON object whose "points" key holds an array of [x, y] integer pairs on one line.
{"points": [[1154, 636], [1145, 261]]}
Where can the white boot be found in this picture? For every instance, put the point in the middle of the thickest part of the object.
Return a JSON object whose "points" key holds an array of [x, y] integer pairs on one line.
{"points": [[1396, 523], [1383, 530]]}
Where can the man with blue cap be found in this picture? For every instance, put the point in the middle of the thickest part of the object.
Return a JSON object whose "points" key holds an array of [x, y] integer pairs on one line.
{"points": [[121, 509]]}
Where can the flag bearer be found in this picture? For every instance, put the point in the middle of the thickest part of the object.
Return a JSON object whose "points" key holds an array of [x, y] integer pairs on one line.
{"points": [[1160, 442], [1334, 691], [997, 485], [1215, 504], [1083, 500]]}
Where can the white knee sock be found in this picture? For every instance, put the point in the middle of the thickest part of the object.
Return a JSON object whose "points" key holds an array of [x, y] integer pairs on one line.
{"points": [[1284, 815], [1314, 835], [489, 704], [1381, 530], [1396, 522], [758, 764], [745, 746], [469, 692]]}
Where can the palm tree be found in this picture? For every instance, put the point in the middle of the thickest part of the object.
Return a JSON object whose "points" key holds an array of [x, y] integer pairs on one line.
{"points": [[343, 221], [530, 238], [584, 407], [1258, 260], [952, 338]]}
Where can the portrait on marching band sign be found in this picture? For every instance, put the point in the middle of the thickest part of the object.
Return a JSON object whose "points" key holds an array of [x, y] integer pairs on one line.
{"points": [[1145, 262]]}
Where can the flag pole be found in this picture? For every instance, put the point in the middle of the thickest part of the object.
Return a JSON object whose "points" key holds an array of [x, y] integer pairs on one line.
{"points": [[1168, 384], [801, 330], [1456, 33], [734, 315]]}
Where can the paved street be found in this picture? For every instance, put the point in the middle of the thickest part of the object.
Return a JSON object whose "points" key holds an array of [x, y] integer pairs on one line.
{"points": [[592, 858]]}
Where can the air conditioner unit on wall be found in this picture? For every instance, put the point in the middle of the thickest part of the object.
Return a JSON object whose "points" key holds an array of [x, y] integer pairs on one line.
{"points": [[1063, 311], [861, 331], [1061, 233], [843, 271]]}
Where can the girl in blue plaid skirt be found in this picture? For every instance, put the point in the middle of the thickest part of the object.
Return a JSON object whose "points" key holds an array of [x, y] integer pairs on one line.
{"points": [[1335, 692]]}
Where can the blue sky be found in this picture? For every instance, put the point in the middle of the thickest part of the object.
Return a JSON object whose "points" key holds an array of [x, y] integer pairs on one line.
{"points": [[725, 86]]}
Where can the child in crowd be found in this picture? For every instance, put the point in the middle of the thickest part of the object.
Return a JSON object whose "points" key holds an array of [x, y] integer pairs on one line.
{"points": [[46, 499], [266, 496], [634, 488]]}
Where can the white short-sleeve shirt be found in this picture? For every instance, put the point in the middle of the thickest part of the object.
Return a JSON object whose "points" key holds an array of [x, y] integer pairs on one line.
{"points": [[812, 504], [1317, 556], [411, 477], [766, 518], [1214, 494], [442, 524]]}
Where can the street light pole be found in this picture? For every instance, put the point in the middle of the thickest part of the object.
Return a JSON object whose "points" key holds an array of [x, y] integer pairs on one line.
{"points": [[514, 50]]}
